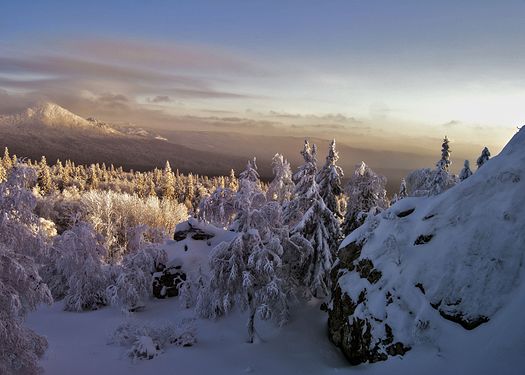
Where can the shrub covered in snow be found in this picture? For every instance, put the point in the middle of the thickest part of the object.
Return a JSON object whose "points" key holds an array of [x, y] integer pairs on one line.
{"points": [[147, 339]]}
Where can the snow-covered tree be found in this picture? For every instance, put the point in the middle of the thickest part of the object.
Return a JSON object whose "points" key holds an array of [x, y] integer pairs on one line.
{"points": [[484, 157], [308, 216], [248, 271], [21, 287], [132, 283], [465, 172], [442, 178], [3, 172], [218, 208], [281, 188], [78, 257], [168, 182], [444, 162], [44, 177], [92, 179], [402, 189], [366, 196], [329, 180], [248, 197]]}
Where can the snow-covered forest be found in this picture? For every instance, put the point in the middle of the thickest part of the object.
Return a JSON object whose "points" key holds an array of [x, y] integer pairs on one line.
{"points": [[85, 238]]}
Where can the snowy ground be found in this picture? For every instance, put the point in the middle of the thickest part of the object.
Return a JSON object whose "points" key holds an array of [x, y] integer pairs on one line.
{"points": [[78, 342], [78, 345]]}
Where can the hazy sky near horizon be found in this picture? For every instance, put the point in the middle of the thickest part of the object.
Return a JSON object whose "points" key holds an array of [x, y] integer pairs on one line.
{"points": [[384, 68]]}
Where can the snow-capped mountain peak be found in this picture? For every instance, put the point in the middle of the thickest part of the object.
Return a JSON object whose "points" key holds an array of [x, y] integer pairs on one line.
{"points": [[51, 115]]}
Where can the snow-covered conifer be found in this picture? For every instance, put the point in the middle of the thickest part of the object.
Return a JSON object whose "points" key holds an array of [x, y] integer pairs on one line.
{"points": [[444, 162], [281, 188], [484, 157], [248, 270], [329, 180], [218, 208], [442, 178], [366, 195], [465, 172], [168, 182], [308, 216], [402, 189]]}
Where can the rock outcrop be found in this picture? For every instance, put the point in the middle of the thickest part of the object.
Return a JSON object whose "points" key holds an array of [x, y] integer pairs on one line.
{"points": [[405, 273]]}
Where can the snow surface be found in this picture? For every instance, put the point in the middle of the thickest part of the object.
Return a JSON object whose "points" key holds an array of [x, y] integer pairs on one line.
{"points": [[472, 266], [478, 243], [78, 342]]}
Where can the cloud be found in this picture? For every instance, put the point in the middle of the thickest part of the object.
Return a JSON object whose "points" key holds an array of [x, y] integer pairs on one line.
{"points": [[160, 99], [451, 123], [109, 77]]}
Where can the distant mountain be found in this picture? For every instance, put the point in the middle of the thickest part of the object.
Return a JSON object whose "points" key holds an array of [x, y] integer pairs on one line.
{"points": [[51, 115], [50, 130]]}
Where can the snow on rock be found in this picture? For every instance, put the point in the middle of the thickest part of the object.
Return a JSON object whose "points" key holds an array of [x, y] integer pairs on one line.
{"points": [[405, 274], [188, 255]]}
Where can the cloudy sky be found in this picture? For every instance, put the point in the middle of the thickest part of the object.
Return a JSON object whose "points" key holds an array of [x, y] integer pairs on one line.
{"points": [[377, 72]]}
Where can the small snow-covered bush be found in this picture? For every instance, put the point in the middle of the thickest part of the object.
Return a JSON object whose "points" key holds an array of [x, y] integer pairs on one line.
{"points": [[148, 339]]}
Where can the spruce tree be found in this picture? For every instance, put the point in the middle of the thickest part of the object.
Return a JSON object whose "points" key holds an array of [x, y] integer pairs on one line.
{"points": [[308, 216], [248, 271], [366, 195], [44, 177], [402, 189], [484, 157], [329, 180], [6, 160], [442, 179], [281, 188], [465, 172], [168, 182]]}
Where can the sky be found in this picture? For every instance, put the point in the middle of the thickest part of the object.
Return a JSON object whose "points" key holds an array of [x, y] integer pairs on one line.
{"points": [[376, 73]]}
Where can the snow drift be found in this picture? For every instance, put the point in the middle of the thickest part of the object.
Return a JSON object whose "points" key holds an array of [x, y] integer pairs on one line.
{"points": [[404, 275]]}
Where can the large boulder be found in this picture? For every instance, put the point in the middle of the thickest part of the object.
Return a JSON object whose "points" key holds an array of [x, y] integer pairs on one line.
{"points": [[403, 276]]}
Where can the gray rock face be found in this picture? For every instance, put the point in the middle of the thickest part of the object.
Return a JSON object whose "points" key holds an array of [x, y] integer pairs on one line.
{"points": [[353, 334], [457, 256]]}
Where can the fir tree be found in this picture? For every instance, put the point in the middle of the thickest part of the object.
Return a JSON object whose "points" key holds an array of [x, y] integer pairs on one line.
{"points": [[308, 216], [247, 271], [465, 172], [281, 188], [444, 162], [484, 157], [366, 195], [442, 179], [168, 182], [6, 160], [44, 177], [329, 180], [402, 189]]}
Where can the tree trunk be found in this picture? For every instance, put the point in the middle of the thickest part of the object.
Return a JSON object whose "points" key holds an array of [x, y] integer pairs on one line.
{"points": [[251, 321]]}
